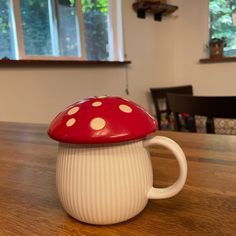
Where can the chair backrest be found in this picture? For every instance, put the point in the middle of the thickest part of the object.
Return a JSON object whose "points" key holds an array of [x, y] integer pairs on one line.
{"points": [[159, 97], [211, 107]]}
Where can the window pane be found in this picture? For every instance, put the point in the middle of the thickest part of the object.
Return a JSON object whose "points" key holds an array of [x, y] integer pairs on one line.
{"points": [[6, 34], [221, 23], [95, 14], [68, 29], [36, 27]]}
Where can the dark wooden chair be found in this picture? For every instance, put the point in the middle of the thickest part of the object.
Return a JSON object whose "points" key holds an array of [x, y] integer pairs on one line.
{"points": [[211, 107], [159, 96]]}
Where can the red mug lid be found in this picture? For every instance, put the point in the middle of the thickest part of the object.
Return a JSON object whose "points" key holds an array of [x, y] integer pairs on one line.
{"points": [[102, 120]]}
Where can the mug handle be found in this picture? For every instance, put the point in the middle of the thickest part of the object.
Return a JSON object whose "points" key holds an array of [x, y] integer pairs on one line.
{"points": [[161, 193]]}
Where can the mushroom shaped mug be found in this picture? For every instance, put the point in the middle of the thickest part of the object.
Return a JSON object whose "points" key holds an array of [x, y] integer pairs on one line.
{"points": [[104, 172]]}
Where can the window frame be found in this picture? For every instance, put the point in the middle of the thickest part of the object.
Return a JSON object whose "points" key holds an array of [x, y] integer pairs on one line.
{"points": [[116, 48]]}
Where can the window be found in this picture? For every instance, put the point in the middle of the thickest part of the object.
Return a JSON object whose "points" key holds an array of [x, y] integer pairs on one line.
{"points": [[222, 24], [7, 48], [61, 29]]}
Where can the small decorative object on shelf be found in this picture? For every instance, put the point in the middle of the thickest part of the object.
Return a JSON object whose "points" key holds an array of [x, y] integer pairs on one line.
{"points": [[216, 47], [158, 8], [104, 173], [5, 59]]}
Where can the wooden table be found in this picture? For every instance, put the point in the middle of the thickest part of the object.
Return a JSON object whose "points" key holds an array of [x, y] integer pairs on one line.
{"points": [[29, 203]]}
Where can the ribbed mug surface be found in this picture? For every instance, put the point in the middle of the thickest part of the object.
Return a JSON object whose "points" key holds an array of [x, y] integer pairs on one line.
{"points": [[103, 184]]}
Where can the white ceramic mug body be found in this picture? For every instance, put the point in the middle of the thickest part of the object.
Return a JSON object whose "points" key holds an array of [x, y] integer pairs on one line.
{"points": [[106, 184]]}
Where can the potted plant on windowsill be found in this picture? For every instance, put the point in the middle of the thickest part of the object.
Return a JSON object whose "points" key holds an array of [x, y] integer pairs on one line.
{"points": [[216, 47]]}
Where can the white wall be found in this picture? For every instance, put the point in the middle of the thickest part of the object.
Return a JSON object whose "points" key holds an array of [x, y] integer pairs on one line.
{"points": [[38, 94], [162, 54]]}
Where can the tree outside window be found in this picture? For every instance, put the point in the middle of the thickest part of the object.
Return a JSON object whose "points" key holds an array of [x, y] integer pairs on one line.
{"points": [[6, 37], [221, 23]]}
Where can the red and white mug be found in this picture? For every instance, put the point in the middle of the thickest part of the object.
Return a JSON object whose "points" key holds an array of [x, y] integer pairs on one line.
{"points": [[104, 172]]}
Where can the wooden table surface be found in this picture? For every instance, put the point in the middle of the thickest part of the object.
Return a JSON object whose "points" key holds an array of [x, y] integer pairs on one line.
{"points": [[29, 204]]}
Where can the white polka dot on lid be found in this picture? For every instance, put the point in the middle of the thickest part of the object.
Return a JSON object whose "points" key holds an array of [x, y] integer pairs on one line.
{"points": [[70, 122], [73, 110], [97, 123], [125, 108], [97, 104]]}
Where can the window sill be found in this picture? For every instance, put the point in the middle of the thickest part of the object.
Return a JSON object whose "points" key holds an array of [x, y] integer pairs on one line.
{"points": [[32, 63], [217, 60]]}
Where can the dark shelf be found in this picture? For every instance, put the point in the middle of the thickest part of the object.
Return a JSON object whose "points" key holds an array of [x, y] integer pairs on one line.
{"points": [[217, 60], [32, 63], [157, 8]]}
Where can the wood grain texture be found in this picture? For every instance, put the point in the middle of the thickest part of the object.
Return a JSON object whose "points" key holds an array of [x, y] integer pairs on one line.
{"points": [[29, 204]]}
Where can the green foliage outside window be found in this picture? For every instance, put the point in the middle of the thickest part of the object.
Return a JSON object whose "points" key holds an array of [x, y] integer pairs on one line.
{"points": [[221, 23], [36, 27], [90, 5], [6, 46], [95, 25]]}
